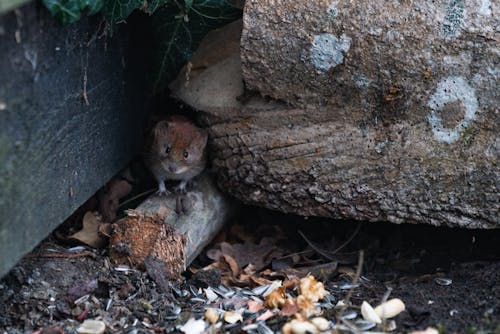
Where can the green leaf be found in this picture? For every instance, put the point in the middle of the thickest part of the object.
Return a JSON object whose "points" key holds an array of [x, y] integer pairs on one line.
{"points": [[151, 6], [69, 11], [188, 4], [116, 11], [93, 6], [178, 32]]}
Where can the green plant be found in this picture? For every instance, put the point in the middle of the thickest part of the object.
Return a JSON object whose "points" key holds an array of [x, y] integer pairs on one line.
{"points": [[179, 26]]}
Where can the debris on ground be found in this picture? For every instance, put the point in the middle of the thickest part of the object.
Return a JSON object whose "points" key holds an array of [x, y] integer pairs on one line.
{"points": [[266, 278]]}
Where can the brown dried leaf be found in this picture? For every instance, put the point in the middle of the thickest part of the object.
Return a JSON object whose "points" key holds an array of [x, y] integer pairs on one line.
{"points": [[233, 265], [254, 306], [110, 195], [276, 298], [259, 255], [306, 307], [311, 289], [266, 315], [89, 234], [289, 308], [259, 280]]}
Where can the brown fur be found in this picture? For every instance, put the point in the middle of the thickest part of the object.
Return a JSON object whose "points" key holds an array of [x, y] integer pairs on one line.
{"points": [[182, 136]]}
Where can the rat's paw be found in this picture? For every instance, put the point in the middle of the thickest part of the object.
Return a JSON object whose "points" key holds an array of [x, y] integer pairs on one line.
{"points": [[162, 190]]}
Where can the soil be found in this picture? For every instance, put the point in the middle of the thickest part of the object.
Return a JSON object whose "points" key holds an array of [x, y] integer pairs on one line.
{"points": [[449, 279]]}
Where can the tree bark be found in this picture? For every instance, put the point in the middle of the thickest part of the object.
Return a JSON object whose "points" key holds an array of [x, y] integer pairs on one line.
{"points": [[390, 112], [171, 230]]}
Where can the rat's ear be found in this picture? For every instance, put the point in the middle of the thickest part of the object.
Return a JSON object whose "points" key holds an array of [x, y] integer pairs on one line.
{"points": [[160, 128]]}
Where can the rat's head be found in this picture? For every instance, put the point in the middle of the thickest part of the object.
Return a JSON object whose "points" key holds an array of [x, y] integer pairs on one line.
{"points": [[179, 144]]}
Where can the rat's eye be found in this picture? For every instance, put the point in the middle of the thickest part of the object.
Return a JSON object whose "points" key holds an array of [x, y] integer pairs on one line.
{"points": [[186, 154], [167, 150]]}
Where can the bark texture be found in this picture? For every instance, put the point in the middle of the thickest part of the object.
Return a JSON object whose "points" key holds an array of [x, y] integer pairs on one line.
{"points": [[390, 111], [70, 118], [155, 231]]}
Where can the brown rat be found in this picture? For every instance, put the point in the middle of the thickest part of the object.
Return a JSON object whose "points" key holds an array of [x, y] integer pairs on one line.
{"points": [[176, 151]]}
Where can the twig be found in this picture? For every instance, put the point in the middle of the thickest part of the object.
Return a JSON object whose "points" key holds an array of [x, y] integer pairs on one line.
{"points": [[63, 255], [295, 253], [329, 255], [384, 299], [354, 282], [348, 239], [317, 249], [147, 192]]}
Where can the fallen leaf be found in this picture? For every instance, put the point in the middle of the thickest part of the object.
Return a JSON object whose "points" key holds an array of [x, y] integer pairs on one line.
{"points": [[260, 255], [311, 289], [266, 315], [81, 288], [254, 306], [110, 195], [233, 265], [89, 234], [289, 308], [259, 280], [276, 298], [306, 306]]}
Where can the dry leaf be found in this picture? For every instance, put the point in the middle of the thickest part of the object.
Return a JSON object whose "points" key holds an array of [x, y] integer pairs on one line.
{"points": [[89, 234], [276, 298], [266, 315], [306, 307], [260, 255], [233, 265], [289, 308], [110, 195], [259, 280], [254, 306], [291, 283], [311, 289]]}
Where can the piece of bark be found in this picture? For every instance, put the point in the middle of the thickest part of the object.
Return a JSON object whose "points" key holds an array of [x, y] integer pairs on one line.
{"points": [[155, 232], [311, 163], [375, 160]]}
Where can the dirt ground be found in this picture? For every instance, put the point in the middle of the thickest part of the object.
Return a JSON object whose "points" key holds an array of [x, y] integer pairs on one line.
{"points": [[448, 279]]}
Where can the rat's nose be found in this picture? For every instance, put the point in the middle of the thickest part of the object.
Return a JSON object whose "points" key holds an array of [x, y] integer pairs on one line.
{"points": [[172, 168]]}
